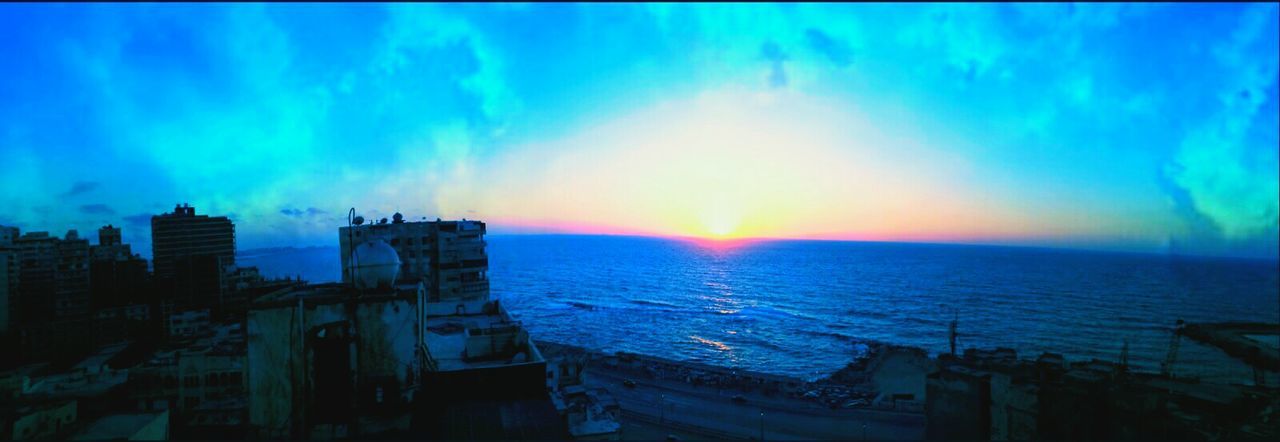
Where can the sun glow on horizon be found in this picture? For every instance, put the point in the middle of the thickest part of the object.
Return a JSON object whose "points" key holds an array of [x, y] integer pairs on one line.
{"points": [[732, 164]]}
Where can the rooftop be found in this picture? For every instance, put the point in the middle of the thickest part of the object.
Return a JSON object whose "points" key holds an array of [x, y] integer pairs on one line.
{"points": [[496, 340], [328, 293]]}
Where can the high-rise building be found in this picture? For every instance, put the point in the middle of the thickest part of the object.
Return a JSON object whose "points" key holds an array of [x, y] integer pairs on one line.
{"points": [[189, 253], [8, 235], [8, 280], [110, 245], [448, 256], [71, 294], [51, 308], [8, 275], [109, 236], [37, 268]]}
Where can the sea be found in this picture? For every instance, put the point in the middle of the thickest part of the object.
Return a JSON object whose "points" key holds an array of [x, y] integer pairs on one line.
{"points": [[807, 308]]}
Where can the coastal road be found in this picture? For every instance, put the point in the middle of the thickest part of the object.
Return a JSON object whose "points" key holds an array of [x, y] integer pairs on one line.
{"points": [[779, 418]]}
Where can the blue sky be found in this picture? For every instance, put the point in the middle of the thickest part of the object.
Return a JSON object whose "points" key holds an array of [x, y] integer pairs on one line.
{"points": [[1147, 127]]}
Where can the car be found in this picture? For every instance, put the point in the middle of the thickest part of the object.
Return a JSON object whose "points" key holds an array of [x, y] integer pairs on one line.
{"points": [[628, 383], [739, 399], [672, 437]]}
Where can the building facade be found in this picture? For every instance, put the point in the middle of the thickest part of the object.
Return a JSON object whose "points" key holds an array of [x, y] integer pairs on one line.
{"points": [[189, 253], [448, 256]]}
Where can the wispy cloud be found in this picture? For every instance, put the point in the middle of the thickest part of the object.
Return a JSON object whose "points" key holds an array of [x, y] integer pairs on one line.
{"points": [[80, 188], [139, 220], [97, 209]]}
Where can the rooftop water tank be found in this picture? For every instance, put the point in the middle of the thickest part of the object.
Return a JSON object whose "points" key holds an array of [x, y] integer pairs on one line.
{"points": [[376, 265]]}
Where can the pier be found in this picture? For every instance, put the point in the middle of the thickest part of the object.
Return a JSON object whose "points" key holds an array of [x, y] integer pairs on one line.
{"points": [[1257, 344]]}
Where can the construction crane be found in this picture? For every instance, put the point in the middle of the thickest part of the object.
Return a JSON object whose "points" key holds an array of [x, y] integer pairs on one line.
{"points": [[951, 335], [1123, 366], [1166, 367]]}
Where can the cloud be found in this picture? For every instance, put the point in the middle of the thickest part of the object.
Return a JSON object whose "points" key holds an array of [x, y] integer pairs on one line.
{"points": [[293, 212], [97, 209], [80, 188], [139, 220], [837, 52], [273, 110], [1228, 165]]}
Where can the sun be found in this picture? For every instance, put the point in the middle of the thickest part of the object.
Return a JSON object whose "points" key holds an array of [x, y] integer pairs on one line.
{"points": [[720, 223]]}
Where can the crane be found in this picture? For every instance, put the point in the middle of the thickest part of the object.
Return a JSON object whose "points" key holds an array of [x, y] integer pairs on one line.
{"points": [[1166, 367]]}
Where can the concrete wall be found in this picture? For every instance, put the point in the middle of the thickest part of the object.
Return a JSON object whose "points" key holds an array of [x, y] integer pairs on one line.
{"points": [[901, 371], [958, 406], [280, 364], [1014, 409]]}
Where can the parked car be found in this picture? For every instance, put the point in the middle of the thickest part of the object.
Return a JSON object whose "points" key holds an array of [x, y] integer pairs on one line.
{"points": [[628, 383], [739, 399]]}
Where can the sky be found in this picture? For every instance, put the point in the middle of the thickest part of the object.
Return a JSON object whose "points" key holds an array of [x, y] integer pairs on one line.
{"points": [[1147, 128]]}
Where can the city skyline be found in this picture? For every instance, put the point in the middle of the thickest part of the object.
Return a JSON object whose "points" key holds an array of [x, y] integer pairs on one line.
{"points": [[1117, 127]]}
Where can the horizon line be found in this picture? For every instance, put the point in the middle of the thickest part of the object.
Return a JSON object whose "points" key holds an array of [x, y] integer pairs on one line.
{"points": [[698, 239]]}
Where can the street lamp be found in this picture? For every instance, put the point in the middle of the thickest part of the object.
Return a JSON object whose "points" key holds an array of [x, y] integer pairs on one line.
{"points": [[662, 408]]}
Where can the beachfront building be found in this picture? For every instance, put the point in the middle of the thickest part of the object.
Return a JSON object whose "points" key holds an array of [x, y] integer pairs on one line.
{"points": [[400, 348], [448, 256]]}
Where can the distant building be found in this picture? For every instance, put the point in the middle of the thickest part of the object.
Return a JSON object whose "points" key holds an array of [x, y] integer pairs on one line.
{"points": [[992, 395], [189, 253], [51, 306], [115, 325], [448, 256], [38, 265], [110, 245], [71, 303], [8, 235], [203, 384], [188, 325], [41, 421], [8, 276]]}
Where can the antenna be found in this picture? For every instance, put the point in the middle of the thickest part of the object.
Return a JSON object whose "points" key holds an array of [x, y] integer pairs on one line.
{"points": [[351, 245], [951, 335]]}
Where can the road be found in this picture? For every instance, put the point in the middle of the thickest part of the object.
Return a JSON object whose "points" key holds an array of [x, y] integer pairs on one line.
{"points": [[684, 406]]}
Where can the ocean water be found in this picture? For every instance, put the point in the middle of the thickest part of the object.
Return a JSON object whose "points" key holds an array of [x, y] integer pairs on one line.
{"points": [[800, 307]]}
